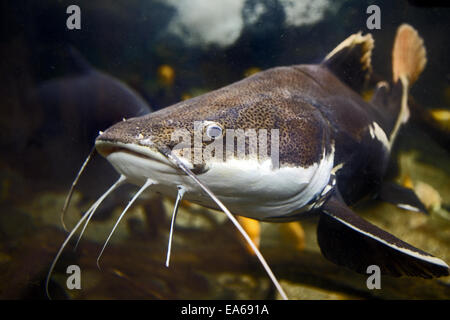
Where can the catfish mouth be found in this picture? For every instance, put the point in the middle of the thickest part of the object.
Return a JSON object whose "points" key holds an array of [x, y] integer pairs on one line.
{"points": [[107, 148], [160, 156]]}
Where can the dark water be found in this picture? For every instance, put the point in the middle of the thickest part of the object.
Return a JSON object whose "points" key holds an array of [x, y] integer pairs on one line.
{"points": [[59, 87]]}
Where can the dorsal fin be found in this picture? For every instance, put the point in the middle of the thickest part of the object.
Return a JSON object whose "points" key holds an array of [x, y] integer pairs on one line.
{"points": [[350, 61]]}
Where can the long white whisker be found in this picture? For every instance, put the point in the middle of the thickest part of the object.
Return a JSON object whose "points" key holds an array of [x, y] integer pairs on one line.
{"points": [[72, 188], [181, 191], [92, 210], [230, 216], [90, 213], [120, 181], [145, 186]]}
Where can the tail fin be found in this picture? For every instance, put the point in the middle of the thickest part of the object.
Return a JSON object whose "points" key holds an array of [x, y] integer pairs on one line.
{"points": [[408, 61], [409, 54]]}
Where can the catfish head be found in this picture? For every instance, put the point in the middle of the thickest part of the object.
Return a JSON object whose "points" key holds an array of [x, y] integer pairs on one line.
{"points": [[257, 144]]}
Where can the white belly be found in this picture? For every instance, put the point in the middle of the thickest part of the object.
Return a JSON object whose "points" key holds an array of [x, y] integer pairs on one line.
{"points": [[246, 187]]}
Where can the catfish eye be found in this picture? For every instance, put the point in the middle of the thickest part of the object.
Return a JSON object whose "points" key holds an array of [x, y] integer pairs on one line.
{"points": [[213, 130]]}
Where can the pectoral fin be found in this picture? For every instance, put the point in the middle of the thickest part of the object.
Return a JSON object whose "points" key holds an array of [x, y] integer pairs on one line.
{"points": [[402, 197], [348, 240]]}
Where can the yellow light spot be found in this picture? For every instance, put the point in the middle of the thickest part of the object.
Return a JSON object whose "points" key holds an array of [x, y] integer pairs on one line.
{"points": [[250, 71], [186, 96], [367, 95], [166, 75], [253, 229], [119, 273], [407, 182], [293, 233], [442, 116]]}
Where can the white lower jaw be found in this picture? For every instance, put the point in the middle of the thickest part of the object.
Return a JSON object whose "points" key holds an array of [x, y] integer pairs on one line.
{"points": [[151, 165], [246, 187]]}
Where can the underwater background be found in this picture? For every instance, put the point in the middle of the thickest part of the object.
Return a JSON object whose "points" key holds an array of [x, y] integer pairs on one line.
{"points": [[60, 87]]}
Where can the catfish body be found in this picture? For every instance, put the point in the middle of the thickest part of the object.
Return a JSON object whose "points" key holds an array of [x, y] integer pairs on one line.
{"points": [[319, 119], [333, 149]]}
